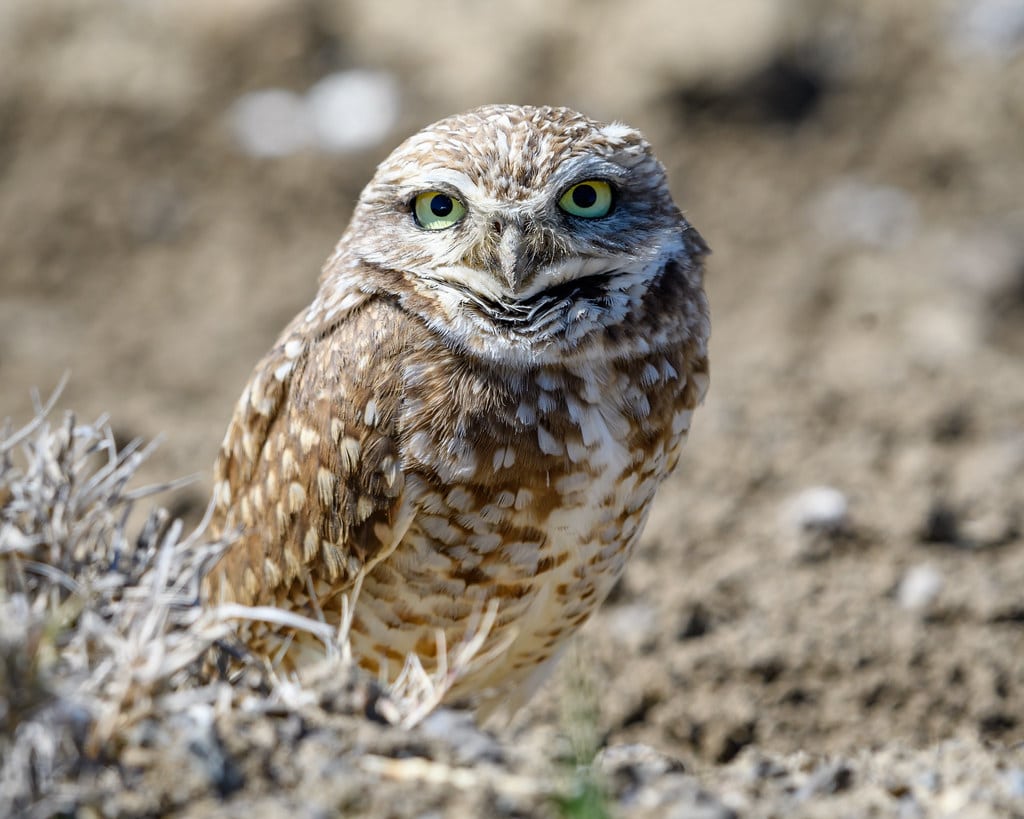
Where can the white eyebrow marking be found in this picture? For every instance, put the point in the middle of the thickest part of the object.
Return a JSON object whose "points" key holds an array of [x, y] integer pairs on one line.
{"points": [[588, 167], [445, 176]]}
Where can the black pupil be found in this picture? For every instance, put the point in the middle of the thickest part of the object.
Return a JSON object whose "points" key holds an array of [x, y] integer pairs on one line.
{"points": [[441, 205], [584, 196]]}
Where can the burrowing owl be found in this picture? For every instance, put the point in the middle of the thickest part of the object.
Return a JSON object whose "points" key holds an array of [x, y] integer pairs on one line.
{"points": [[496, 374]]}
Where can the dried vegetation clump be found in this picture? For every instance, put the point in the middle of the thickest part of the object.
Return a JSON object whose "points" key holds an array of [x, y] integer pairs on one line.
{"points": [[107, 701], [98, 627]]}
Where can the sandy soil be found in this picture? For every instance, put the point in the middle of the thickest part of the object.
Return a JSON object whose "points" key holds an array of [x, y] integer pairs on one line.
{"points": [[858, 173]]}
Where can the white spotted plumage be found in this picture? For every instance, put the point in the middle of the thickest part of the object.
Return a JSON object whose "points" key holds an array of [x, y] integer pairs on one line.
{"points": [[476, 413]]}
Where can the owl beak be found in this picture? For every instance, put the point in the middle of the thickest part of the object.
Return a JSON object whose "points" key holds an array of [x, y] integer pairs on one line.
{"points": [[513, 257]]}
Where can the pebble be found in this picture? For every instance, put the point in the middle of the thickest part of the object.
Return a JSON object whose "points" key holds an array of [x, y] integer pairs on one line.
{"points": [[856, 212], [920, 587], [1013, 782], [994, 27], [820, 508], [633, 623], [353, 110], [470, 744], [345, 111], [271, 123]]}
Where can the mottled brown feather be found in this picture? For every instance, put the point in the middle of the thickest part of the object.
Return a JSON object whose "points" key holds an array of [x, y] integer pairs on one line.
{"points": [[475, 414], [303, 460]]}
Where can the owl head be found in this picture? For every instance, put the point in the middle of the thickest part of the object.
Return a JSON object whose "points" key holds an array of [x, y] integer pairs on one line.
{"points": [[520, 234]]}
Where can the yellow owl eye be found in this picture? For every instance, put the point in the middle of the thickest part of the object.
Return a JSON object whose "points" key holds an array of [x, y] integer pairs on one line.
{"points": [[591, 199], [436, 211]]}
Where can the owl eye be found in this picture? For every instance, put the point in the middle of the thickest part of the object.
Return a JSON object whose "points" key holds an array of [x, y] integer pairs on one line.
{"points": [[436, 211], [591, 199]]}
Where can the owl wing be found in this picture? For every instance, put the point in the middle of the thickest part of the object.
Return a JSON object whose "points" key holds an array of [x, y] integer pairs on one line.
{"points": [[309, 470]]}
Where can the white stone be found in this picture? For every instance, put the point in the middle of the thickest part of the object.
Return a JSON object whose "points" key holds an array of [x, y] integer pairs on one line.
{"points": [[632, 624], [819, 507], [920, 587], [271, 123], [989, 26], [856, 212], [353, 110]]}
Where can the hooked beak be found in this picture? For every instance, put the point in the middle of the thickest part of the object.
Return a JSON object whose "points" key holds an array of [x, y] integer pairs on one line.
{"points": [[513, 258]]}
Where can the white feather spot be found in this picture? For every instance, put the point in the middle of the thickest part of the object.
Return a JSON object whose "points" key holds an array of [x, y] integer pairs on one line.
{"points": [[438, 528], [222, 492], [296, 496], [594, 429], [325, 486], [547, 381], [350, 300], [370, 416], [573, 482], [575, 409], [308, 438], [289, 466], [526, 415], [389, 471], [486, 542], [293, 349], [349, 452], [246, 509], [591, 391], [681, 421], [364, 508], [503, 458], [460, 500], [547, 443], [248, 446], [310, 545], [576, 451], [700, 382]]}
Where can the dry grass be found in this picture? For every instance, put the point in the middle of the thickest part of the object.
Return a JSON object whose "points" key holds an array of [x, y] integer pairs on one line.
{"points": [[98, 626], [104, 645]]}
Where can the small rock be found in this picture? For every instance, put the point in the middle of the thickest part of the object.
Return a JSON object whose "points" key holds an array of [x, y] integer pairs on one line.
{"points": [[820, 508], [941, 524], [1013, 781], [920, 587], [632, 624], [470, 743], [856, 212], [993, 27], [938, 334], [827, 779], [271, 123], [696, 622], [952, 424], [353, 110]]}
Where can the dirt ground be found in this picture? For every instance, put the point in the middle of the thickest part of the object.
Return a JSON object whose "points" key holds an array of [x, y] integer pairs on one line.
{"points": [[834, 576]]}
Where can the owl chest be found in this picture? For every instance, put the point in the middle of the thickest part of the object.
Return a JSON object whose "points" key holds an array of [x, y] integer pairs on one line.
{"points": [[531, 491], [538, 479]]}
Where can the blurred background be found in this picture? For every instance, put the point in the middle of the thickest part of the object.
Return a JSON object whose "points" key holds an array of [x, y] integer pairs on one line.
{"points": [[839, 559]]}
